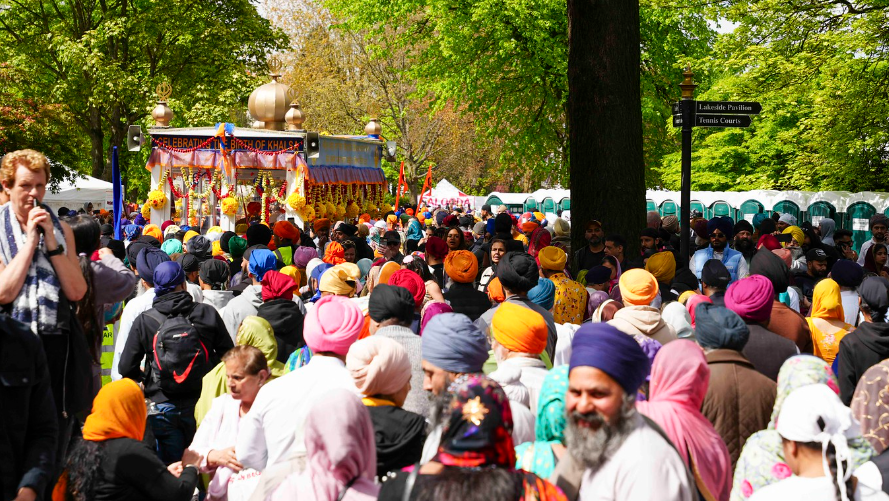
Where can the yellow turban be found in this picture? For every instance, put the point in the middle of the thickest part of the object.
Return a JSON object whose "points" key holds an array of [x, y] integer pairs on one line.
{"points": [[386, 271], [539, 216], [685, 295], [552, 258], [241, 229], [638, 287], [797, 234], [188, 235], [340, 279], [153, 230], [461, 266], [519, 329], [663, 266], [292, 272], [217, 248]]}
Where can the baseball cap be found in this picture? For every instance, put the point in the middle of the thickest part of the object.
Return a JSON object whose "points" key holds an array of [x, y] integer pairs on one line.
{"points": [[816, 255]]}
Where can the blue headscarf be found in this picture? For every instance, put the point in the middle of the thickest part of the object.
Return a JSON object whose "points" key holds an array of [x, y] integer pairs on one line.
{"points": [[718, 327], [489, 226], [543, 294], [414, 230], [453, 343], [148, 260], [316, 274], [167, 276], [261, 262], [604, 347], [132, 232]]}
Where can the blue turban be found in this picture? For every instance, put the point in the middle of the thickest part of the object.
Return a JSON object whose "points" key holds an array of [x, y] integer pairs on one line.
{"points": [[453, 343], [262, 261], [847, 273], [489, 226], [167, 276], [543, 294], [605, 348], [723, 224], [185, 227], [316, 274], [147, 260], [719, 327], [758, 219], [132, 232]]}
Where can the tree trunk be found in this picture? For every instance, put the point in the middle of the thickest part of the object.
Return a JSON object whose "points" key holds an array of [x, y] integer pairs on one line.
{"points": [[97, 146], [605, 119]]}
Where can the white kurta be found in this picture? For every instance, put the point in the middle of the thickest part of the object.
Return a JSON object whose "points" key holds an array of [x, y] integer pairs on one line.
{"points": [[812, 489], [273, 429], [646, 467]]}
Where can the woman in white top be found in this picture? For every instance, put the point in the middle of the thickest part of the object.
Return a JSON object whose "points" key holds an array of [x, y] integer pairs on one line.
{"points": [[246, 370], [815, 428]]}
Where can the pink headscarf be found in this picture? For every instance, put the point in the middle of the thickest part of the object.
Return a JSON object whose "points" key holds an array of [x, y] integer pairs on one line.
{"points": [[679, 379], [693, 302], [431, 309], [379, 366], [751, 298], [340, 447], [342, 322]]}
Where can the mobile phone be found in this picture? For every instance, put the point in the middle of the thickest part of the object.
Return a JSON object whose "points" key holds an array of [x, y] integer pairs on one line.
{"points": [[37, 204], [784, 237]]}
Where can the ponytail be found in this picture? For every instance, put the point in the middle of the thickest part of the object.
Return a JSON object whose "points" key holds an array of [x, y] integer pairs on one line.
{"points": [[833, 463]]}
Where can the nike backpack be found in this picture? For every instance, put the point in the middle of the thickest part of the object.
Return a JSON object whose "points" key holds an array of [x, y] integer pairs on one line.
{"points": [[179, 358]]}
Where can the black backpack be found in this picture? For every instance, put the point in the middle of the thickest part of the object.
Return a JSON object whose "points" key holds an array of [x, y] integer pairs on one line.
{"points": [[179, 359]]}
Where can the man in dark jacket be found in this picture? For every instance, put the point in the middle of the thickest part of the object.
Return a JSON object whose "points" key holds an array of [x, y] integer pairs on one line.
{"points": [[173, 422], [714, 281], [28, 423], [867, 345], [462, 267], [783, 320]]}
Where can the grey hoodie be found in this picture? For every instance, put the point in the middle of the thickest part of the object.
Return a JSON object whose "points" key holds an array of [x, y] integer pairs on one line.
{"points": [[828, 226]]}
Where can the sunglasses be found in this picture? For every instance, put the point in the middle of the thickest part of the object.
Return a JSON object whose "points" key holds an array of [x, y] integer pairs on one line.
{"points": [[717, 235]]}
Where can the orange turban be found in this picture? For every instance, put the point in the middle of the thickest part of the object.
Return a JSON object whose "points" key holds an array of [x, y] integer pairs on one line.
{"points": [[391, 219], [529, 226], [552, 258], [118, 412], [292, 272], [519, 329], [153, 230], [334, 254], [286, 230], [365, 218], [495, 291], [461, 266], [409, 211], [321, 225], [386, 271], [638, 287]]}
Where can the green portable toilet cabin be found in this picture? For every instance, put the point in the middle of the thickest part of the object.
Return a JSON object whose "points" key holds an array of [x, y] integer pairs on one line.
{"points": [[819, 210], [669, 208], [749, 209], [530, 205], [494, 201], [549, 206], [696, 205], [721, 208], [565, 203], [650, 205], [858, 220], [788, 207]]}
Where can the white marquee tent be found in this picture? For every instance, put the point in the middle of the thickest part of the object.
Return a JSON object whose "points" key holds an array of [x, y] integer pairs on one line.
{"points": [[73, 194], [445, 193]]}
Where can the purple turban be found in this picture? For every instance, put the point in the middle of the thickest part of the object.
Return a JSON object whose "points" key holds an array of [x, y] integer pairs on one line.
{"points": [[432, 309], [604, 347], [751, 298], [303, 255]]}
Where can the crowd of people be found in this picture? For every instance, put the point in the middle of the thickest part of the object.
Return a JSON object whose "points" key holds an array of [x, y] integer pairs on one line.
{"points": [[437, 354]]}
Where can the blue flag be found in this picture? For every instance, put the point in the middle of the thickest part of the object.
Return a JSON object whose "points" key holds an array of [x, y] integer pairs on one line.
{"points": [[118, 192]]}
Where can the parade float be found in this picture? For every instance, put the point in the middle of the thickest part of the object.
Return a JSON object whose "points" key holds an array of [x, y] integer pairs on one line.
{"points": [[226, 175]]}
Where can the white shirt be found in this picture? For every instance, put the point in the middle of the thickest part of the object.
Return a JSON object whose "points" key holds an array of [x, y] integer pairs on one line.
{"points": [[565, 333], [273, 429], [645, 468], [797, 488], [522, 371], [850, 306]]}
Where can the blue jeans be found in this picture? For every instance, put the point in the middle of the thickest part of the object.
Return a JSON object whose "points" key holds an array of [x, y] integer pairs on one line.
{"points": [[173, 427]]}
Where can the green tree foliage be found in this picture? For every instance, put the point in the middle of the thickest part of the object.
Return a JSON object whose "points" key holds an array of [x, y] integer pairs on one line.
{"points": [[99, 63]]}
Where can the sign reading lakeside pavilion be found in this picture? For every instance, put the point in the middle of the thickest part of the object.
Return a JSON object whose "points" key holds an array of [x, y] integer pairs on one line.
{"points": [[724, 107]]}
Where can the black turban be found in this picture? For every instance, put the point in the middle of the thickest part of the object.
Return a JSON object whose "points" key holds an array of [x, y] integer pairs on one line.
{"points": [[847, 273], [715, 274], [390, 301], [719, 327], [148, 239], [348, 229], [200, 247], [743, 225], [189, 262], [518, 272], [774, 268], [133, 251], [214, 273], [117, 247], [503, 224], [223, 240], [258, 234], [106, 229], [685, 280], [649, 232], [767, 226]]}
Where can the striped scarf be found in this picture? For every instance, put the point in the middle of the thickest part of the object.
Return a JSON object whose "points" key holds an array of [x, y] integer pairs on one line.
{"points": [[38, 301]]}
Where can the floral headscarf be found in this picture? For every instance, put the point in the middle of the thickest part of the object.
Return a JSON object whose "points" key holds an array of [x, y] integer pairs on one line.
{"points": [[870, 405], [549, 426], [762, 460]]}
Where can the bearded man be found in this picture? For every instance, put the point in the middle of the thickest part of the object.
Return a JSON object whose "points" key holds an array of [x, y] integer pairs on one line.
{"points": [[743, 242], [624, 455]]}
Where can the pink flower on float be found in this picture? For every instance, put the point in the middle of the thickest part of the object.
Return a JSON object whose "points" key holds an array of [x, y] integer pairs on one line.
{"points": [[746, 489], [781, 471]]}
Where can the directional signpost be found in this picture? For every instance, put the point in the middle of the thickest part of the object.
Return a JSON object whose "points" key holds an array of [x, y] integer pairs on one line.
{"points": [[688, 114]]}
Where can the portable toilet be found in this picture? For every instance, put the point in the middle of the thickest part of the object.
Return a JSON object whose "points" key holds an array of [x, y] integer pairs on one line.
{"points": [[721, 208], [669, 208], [530, 205], [819, 210], [549, 206], [858, 220], [698, 206], [650, 205], [565, 203], [788, 207], [749, 209]]}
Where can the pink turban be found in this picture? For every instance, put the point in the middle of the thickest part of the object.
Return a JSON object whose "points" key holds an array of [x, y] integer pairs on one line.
{"points": [[341, 324], [692, 302], [751, 298], [379, 365]]}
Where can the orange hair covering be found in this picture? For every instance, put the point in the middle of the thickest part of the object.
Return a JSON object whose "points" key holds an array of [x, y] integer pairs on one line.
{"points": [[334, 254]]}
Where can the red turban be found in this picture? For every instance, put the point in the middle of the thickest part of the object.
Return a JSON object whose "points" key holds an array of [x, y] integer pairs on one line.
{"points": [[769, 242], [410, 281], [436, 247], [276, 285], [253, 208]]}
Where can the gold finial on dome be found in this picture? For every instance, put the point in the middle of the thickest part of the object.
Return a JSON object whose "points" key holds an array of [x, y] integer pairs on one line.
{"points": [[373, 128], [294, 117], [162, 113]]}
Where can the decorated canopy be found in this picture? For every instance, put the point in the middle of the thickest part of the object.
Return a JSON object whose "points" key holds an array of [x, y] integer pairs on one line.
{"points": [[445, 193]]}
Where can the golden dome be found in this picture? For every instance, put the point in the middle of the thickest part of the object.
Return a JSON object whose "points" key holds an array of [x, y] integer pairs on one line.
{"points": [[295, 117], [373, 128], [269, 104]]}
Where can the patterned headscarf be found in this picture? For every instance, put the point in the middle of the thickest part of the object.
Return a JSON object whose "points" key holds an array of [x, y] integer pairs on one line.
{"points": [[762, 460], [870, 405], [478, 427]]}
